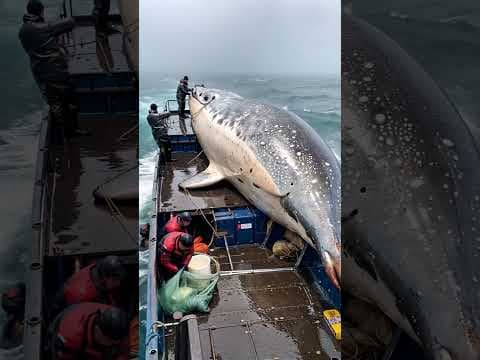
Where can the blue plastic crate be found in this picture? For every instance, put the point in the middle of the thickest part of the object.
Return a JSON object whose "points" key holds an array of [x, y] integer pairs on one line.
{"points": [[244, 226], [184, 143], [225, 223]]}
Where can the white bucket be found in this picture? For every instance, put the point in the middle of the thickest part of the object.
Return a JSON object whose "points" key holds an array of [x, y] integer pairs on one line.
{"points": [[200, 264]]}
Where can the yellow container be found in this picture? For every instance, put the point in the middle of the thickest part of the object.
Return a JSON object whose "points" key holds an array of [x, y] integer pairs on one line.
{"points": [[334, 321]]}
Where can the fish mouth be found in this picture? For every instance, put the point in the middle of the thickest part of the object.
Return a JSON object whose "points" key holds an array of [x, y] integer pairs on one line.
{"points": [[333, 267], [318, 231]]}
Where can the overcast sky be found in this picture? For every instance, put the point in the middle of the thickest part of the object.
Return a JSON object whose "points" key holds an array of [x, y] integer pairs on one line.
{"points": [[240, 36]]}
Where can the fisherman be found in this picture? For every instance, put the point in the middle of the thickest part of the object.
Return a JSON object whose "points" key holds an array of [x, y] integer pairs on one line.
{"points": [[178, 223], [48, 61], [89, 331], [98, 282], [144, 236], [182, 92], [175, 252], [13, 303], [160, 132], [100, 12]]}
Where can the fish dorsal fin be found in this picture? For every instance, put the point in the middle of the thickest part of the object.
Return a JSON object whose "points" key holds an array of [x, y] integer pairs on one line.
{"points": [[207, 177]]}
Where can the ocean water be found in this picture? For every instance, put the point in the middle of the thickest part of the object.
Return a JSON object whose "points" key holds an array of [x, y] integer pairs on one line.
{"points": [[315, 99]]}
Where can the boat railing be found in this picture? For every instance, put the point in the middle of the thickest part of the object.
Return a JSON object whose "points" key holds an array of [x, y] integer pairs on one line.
{"points": [[34, 276], [154, 336], [171, 106]]}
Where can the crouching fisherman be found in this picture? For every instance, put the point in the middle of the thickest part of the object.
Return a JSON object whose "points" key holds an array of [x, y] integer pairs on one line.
{"points": [[178, 223], [158, 123], [175, 251], [99, 282], [89, 331], [13, 303]]}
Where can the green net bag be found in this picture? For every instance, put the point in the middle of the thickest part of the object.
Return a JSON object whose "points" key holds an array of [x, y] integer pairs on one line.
{"points": [[188, 292]]}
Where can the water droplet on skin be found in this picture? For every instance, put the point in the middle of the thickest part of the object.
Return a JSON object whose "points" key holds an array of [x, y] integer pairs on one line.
{"points": [[369, 65], [448, 142], [299, 153], [390, 141], [292, 146], [380, 119], [262, 143], [416, 183]]}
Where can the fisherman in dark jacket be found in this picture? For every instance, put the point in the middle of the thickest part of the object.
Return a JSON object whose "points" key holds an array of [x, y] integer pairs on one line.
{"points": [[182, 92], [49, 66], [158, 123]]}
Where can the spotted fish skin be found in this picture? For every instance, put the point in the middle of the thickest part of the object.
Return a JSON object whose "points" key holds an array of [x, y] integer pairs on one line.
{"points": [[277, 161], [412, 245]]}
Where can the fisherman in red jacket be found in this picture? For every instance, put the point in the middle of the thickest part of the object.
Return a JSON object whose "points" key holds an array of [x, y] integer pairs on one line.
{"points": [[99, 282], [178, 223], [175, 252], [13, 304], [89, 331]]}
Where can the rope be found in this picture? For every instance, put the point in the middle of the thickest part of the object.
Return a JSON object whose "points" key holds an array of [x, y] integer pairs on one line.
{"points": [[127, 133], [114, 209], [117, 176], [196, 157], [201, 211], [203, 107], [214, 231], [117, 214]]}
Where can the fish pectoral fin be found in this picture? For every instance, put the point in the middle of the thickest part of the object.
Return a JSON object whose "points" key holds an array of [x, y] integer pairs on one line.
{"points": [[209, 176]]}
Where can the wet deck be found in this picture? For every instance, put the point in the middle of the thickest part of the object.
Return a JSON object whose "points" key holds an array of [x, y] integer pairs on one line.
{"points": [[272, 315], [92, 54], [179, 126], [184, 166], [78, 225]]}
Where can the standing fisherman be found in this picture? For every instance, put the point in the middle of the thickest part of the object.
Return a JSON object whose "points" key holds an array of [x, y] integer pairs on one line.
{"points": [[182, 92], [158, 123], [48, 61]]}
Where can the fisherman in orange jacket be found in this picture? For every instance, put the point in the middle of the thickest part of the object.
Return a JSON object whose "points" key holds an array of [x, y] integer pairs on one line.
{"points": [[175, 252]]}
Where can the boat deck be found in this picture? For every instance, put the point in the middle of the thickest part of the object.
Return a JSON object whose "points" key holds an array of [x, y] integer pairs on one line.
{"points": [[265, 315], [92, 54], [185, 165], [77, 224]]}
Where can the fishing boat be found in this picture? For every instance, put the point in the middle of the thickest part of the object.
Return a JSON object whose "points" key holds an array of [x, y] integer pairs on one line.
{"points": [[76, 215], [264, 307]]}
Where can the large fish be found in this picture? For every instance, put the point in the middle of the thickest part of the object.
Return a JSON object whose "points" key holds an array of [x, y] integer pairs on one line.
{"points": [[274, 159], [411, 196]]}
